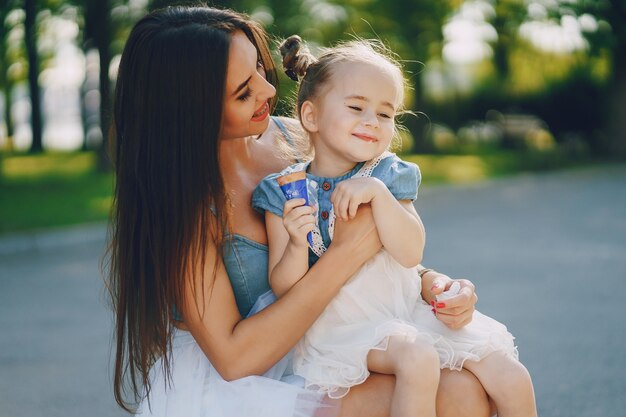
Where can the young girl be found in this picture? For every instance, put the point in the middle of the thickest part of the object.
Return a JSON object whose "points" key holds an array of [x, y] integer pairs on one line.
{"points": [[347, 102]]}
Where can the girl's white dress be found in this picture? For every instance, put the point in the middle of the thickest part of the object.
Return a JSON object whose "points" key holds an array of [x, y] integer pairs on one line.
{"points": [[382, 299], [196, 389]]}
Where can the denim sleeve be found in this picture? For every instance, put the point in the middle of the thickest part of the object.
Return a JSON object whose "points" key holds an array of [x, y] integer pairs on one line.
{"points": [[267, 196], [401, 178]]}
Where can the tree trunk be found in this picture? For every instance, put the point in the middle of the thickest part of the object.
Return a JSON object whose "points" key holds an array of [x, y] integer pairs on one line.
{"points": [[104, 162], [7, 85], [615, 122], [615, 129], [30, 37], [5, 82], [7, 112], [98, 32]]}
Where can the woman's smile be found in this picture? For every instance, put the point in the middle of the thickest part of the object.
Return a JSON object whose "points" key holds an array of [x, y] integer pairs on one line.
{"points": [[261, 113]]}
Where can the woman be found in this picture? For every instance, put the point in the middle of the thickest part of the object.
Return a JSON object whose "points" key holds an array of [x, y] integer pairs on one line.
{"points": [[188, 255]]}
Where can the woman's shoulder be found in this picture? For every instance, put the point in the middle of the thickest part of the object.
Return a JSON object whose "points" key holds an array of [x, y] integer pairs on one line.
{"points": [[289, 122], [283, 128]]}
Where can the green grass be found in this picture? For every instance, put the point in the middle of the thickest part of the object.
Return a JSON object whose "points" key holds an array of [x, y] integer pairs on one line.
{"points": [[461, 169], [51, 190], [58, 189]]}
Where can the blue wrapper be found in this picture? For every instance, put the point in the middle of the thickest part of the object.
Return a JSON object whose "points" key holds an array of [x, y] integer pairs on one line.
{"points": [[296, 189]]}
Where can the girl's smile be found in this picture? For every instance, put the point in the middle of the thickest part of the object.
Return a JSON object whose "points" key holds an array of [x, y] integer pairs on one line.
{"points": [[366, 137]]}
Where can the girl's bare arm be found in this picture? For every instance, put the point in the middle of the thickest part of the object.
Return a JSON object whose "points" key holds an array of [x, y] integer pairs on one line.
{"points": [[399, 226]]}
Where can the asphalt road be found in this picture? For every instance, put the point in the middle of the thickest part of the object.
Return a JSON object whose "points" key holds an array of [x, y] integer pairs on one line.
{"points": [[547, 253]]}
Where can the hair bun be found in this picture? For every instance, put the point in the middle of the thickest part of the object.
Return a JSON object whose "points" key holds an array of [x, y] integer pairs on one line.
{"points": [[296, 57]]}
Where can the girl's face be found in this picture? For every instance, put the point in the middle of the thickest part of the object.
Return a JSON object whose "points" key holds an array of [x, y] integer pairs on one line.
{"points": [[246, 106], [354, 114]]}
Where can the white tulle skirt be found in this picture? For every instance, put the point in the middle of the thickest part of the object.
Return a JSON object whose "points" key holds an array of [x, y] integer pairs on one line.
{"points": [[196, 389], [381, 300]]}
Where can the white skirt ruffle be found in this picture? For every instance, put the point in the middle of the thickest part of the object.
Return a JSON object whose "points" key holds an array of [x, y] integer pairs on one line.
{"points": [[381, 300], [196, 389]]}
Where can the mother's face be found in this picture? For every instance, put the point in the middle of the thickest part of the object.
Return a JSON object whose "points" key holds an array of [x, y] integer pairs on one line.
{"points": [[246, 99]]}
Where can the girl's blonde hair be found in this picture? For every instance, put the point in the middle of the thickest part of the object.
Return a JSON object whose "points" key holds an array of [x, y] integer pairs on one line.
{"points": [[313, 74]]}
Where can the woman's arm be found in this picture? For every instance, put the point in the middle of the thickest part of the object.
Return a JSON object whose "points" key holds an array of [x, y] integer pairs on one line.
{"points": [[399, 226], [240, 347]]}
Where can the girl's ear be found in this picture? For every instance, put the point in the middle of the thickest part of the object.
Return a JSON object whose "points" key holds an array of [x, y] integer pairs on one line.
{"points": [[309, 116]]}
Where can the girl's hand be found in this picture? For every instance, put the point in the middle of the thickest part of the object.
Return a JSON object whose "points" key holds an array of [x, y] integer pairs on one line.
{"points": [[350, 194], [455, 312], [359, 236], [298, 220]]}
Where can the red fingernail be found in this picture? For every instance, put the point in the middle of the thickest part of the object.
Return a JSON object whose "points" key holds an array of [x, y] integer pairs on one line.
{"points": [[432, 303], [434, 311], [441, 305]]}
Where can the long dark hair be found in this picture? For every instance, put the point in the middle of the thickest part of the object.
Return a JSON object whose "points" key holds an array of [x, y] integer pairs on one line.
{"points": [[167, 116]]}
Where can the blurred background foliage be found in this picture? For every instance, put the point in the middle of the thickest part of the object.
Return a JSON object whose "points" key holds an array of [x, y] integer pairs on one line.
{"points": [[523, 84]]}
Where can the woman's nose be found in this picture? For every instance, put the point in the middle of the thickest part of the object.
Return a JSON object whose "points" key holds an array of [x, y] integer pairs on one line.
{"points": [[266, 90]]}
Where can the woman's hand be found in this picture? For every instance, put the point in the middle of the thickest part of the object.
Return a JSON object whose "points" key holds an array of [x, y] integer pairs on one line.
{"points": [[359, 235], [455, 312]]}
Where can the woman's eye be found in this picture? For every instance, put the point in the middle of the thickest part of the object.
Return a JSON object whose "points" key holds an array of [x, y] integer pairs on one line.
{"points": [[246, 95]]}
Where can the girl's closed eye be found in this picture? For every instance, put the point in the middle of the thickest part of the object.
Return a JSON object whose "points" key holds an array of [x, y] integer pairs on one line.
{"points": [[355, 108], [385, 115]]}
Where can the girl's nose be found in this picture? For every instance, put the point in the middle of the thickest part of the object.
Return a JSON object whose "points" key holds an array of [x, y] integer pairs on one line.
{"points": [[370, 119]]}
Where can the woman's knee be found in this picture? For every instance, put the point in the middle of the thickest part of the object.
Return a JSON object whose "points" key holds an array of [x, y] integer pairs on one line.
{"points": [[371, 398]]}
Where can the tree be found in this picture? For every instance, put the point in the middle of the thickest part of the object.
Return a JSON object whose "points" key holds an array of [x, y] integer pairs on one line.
{"points": [[508, 17], [608, 37], [30, 39], [615, 105], [5, 82], [97, 33]]}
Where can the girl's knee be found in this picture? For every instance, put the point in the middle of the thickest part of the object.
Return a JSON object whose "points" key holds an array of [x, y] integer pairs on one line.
{"points": [[520, 376], [417, 361], [514, 379]]}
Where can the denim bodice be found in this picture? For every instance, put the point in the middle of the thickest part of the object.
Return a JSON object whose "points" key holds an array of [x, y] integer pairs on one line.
{"points": [[246, 261], [246, 264]]}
